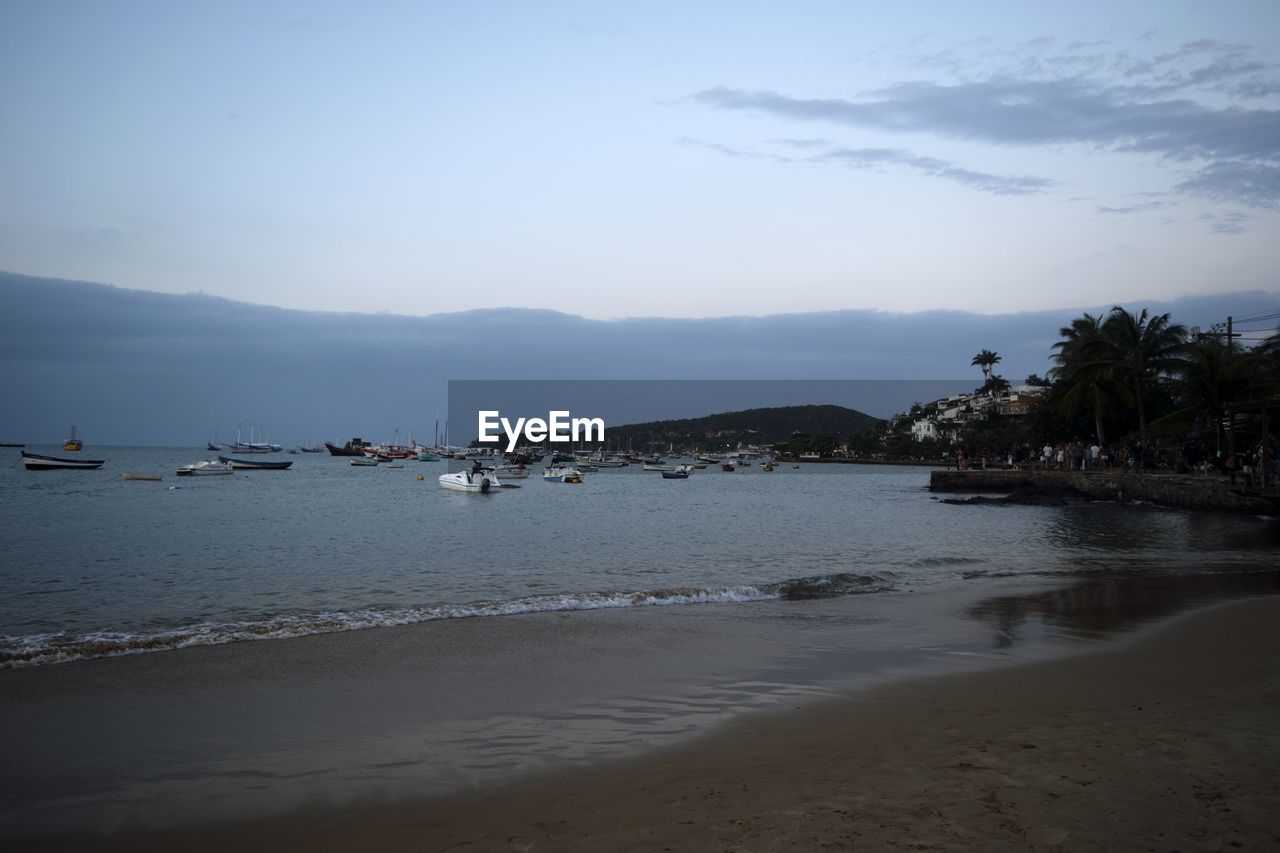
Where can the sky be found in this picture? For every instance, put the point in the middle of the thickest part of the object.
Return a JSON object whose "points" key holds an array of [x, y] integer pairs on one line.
{"points": [[636, 160]]}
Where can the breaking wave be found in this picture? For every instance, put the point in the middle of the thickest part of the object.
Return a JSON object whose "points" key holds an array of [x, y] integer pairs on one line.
{"points": [[61, 647]]}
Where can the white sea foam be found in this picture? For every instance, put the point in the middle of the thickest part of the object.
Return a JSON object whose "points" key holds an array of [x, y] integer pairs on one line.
{"points": [[37, 649]]}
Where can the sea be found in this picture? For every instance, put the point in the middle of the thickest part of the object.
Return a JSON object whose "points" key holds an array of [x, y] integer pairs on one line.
{"points": [[217, 648]]}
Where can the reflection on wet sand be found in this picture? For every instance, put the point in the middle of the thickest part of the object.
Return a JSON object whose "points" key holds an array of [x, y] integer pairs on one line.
{"points": [[1099, 527], [1095, 608]]}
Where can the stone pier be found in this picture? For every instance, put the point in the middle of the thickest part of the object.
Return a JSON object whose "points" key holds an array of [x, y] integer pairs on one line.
{"points": [[1172, 490]]}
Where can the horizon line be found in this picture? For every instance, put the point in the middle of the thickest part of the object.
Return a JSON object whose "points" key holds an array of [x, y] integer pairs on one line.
{"points": [[642, 317]]}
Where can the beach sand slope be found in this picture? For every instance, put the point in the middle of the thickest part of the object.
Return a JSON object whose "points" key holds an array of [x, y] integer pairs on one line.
{"points": [[1170, 741]]}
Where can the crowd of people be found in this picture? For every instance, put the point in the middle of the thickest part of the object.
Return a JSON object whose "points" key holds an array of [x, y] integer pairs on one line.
{"points": [[1196, 457]]}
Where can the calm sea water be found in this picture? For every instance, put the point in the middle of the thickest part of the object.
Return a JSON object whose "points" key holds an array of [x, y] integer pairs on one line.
{"points": [[93, 565]]}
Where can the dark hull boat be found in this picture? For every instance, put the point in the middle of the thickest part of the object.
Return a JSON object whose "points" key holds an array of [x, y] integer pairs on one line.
{"points": [[254, 465], [36, 462], [354, 447]]}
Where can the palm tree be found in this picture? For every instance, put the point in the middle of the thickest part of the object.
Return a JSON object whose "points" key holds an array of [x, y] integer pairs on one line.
{"points": [[1081, 365], [1268, 353], [986, 360], [1138, 351], [1209, 376]]}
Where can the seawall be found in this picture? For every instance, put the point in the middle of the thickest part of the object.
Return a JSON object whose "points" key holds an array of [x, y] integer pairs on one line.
{"points": [[1172, 490]]}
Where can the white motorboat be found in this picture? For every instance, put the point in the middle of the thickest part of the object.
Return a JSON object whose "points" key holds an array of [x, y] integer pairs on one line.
{"points": [[654, 466], [484, 480], [204, 468], [562, 475], [513, 472]]}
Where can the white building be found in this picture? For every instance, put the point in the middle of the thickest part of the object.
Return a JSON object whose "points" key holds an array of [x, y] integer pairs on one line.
{"points": [[924, 429]]}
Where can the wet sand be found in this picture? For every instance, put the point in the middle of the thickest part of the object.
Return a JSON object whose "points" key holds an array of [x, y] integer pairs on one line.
{"points": [[1167, 741]]}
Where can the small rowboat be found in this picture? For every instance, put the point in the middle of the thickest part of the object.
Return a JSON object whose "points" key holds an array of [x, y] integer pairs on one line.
{"points": [[134, 475], [36, 462]]}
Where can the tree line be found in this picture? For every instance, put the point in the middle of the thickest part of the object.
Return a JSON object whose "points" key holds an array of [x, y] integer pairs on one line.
{"points": [[1144, 376]]}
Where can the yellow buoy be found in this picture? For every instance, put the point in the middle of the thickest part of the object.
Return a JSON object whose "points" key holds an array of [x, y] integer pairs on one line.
{"points": [[419, 476]]}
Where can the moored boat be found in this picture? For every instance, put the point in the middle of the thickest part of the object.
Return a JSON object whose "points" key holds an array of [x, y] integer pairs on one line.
{"points": [[364, 462], [562, 475], [135, 475], [681, 472], [513, 472], [204, 468], [72, 443], [252, 445], [36, 462], [484, 480], [727, 466], [254, 465], [354, 447]]}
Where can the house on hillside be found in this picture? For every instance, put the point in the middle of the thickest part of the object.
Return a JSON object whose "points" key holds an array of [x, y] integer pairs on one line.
{"points": [[948, 417]]}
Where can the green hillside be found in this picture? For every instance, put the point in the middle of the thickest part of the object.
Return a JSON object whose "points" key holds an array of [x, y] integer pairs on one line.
{"points": [[726, 430]]}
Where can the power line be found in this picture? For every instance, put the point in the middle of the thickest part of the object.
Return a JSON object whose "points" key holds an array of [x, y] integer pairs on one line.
{"points": [[1272, 315]]}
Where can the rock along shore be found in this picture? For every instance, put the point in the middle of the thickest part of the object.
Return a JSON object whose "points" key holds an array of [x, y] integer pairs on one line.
{"points": [[1172, 490]]}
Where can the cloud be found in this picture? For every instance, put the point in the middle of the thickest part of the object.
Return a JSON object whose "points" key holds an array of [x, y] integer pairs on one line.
{"points": [[1228, 223], [726, 150], [884, 159], [1252, 183], [1032, 112], [338, 375], [872, 158], [1135, 208], [1106, 102]]}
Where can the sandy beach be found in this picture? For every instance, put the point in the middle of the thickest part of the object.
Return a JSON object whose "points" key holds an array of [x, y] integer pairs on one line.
{"points": [[1165, 741]]}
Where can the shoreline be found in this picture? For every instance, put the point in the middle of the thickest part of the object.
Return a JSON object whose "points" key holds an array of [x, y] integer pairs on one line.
{"points": [[1173, 491], [1166, 739]]}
